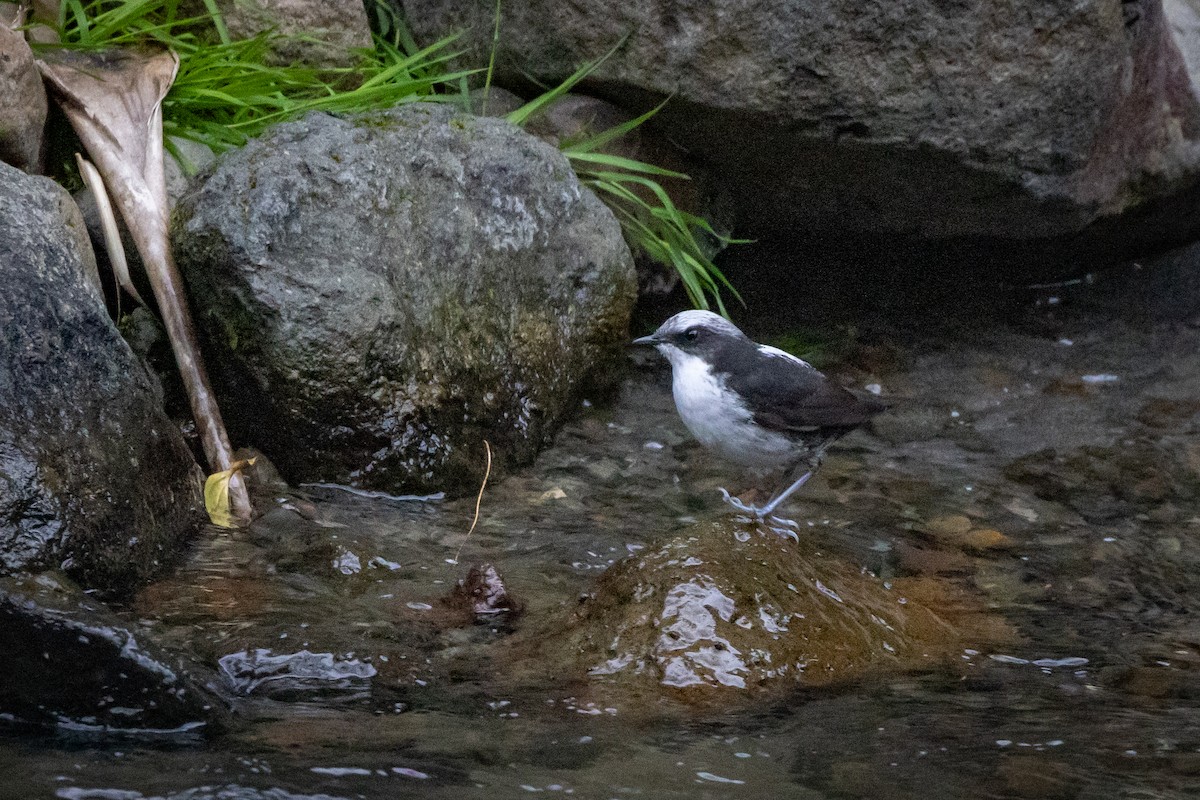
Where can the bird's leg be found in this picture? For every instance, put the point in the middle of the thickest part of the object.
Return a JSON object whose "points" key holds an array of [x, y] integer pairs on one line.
{"points": [[766, 510], [813, 463]]}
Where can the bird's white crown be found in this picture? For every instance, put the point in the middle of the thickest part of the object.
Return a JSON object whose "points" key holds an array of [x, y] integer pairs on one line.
{"points": [[688, 319]]}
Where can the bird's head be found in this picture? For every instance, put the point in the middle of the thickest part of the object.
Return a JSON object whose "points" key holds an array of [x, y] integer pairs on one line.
{"points": [[692, 333]]}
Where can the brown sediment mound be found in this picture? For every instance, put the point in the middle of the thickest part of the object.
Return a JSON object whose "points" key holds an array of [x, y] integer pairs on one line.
{"points": [[724, 609]]}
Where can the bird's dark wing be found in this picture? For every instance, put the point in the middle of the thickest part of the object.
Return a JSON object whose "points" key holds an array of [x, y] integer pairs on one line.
{"points": [[789, 396]]}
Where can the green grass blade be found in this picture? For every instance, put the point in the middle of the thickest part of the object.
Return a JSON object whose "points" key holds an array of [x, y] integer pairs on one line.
{"points": [[218, 21], [599, 140], [522, 114], [629, 165]]}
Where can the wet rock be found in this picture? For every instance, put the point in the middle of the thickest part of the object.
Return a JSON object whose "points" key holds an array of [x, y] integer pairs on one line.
{"points": [[1006, 587], [923, 140], [231, 791], [958, 530], [320, 34], [428, 280], [1185, 763], [1151, 682], [857, 779], [986, 540], [722, 610], [1040, 778], [1071, 386], [93, 475], [265, 482], [225, 598], [1106, 482], [912, 423], [297, 676], [70, 663], [318, 549], [22, 103], [147, 338], [948, 527], [481, 592], [1164, 413], [912, 559], [1165, 286]]}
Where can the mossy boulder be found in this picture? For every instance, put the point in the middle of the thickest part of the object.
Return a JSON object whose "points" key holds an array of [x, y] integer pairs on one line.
{"points": [[381, 293]]}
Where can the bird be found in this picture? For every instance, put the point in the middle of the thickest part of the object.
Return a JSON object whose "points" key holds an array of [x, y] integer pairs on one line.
{"points": [[753, 404]]}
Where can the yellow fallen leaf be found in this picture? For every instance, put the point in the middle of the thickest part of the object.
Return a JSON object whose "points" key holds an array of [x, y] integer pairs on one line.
{"points": [[216, 494]]}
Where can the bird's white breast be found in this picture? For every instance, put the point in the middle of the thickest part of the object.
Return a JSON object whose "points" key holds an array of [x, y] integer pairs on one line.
{"points": [[718, 418]]}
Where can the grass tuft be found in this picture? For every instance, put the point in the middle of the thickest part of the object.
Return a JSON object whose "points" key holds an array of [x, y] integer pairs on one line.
{"points": [[228, 91], [651, 220]]}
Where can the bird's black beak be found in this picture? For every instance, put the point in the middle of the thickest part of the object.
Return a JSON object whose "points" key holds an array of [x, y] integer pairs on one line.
{"points": [[651, 340]]}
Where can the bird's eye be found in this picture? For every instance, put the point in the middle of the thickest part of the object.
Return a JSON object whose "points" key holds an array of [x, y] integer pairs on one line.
{"points": [[692, 334]]}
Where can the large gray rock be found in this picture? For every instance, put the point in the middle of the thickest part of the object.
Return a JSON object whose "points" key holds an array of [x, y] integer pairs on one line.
{"points": [[93, 475], [381, 294], [1007, 121], [22, 103]]}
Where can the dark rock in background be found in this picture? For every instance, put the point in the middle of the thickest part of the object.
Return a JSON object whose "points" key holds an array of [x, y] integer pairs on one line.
{"points": [[93, 475], [1053, 134], [1103, 483], [315, 33], [380, 294], [493, 101], [70, 663]]}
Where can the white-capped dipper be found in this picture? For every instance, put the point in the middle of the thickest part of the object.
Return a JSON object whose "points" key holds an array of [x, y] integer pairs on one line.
{"points": [[754, 404]]}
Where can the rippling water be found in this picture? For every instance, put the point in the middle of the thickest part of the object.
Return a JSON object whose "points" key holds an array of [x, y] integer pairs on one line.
{"points": [[1065, 504]]}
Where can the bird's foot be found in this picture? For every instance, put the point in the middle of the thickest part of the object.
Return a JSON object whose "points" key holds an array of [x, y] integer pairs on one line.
{"points": [[737, 503], [780, 526], [784, 532]]}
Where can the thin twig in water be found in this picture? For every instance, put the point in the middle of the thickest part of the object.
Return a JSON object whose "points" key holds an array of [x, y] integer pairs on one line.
{"points": [[478, 499]]}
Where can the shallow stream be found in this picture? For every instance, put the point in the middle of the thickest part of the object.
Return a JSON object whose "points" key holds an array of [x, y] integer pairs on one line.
{"points": [[1051, 472]]}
